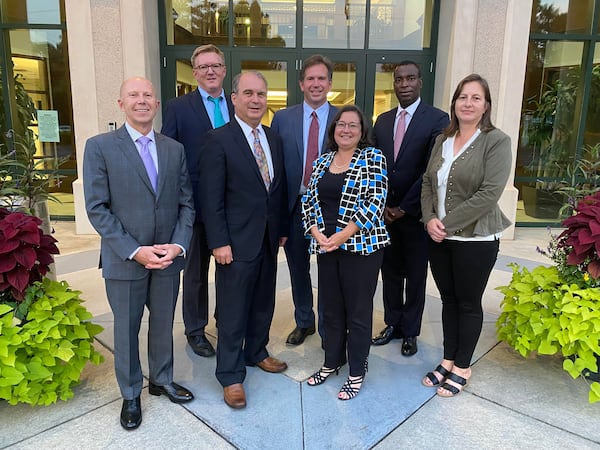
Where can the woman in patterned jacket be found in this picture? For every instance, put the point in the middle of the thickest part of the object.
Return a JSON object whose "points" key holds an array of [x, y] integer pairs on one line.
{"points": [[343, 215]]}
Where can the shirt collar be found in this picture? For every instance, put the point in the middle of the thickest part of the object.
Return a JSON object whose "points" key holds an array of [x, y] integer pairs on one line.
{"points": [[410, 109], [247, 129], [134, 134], [205, 94], [320, 110]]}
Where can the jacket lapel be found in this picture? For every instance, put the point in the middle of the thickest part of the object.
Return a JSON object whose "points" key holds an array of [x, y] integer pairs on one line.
{"points": [[129, 150]]}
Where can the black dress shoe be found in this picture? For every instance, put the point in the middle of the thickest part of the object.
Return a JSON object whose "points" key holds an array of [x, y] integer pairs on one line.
{"points": [[297, 336], [201, 346], [409, 346], [175, 392], [131, 414], [386, 335]]}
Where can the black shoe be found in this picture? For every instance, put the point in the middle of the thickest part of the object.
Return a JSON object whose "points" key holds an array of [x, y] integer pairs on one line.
{"points": [[297, 336], [201, 346], [386, 335], [409, 346], [131, 414], [175, 392]]}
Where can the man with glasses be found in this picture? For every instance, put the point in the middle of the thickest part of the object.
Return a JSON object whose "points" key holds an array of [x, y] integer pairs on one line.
{"points": [[187, 119], [303, 130]]}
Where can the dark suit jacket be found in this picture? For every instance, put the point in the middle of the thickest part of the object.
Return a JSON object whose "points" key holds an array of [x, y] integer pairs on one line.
{"points": [[186, 120], [125, 210], [405, 174], [238, 210], [288, 124]]}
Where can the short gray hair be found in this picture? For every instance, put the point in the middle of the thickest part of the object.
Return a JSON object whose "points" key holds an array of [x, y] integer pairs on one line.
{"points": [[236, 79]]}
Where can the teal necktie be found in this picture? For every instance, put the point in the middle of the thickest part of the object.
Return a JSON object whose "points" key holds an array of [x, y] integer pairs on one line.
{"points": [[218, 118]]}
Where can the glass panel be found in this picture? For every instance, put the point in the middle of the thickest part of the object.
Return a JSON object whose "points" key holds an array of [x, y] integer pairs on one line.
{"points": [[259, 25], [384, 97], [41, 69], [550, 117], [592, 124], [185, 77], [343, 86], [334, 24], [197, 22], [400, 25], [276, 74], [33, 11], [562, 16]]}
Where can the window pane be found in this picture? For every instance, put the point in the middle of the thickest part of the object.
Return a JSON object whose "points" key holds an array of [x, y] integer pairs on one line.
{"points": [[258, 26], [334, 24], [197, 22], [562, 16], [343, 86], [33, 11], [592, 123], [400, 25]]}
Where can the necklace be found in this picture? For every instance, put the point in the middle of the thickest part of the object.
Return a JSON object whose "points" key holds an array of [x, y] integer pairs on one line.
{"points": [[342, 166]]}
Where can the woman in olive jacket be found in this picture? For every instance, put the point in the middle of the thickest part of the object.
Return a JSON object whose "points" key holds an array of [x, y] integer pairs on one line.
{"points": [[467, 172]]}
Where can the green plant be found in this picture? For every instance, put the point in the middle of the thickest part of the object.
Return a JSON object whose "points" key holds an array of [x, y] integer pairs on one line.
{"points": [[42, 358], [583, 179]]}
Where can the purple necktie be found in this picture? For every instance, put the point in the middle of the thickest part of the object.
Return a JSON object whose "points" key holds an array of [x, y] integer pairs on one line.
{"points": [[147, 159], [400, 130]]}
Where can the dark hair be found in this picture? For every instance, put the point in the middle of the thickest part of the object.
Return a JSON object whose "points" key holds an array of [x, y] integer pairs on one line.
{"points": [[364, 141], [315, 60], [408, 62], [486, 121]]}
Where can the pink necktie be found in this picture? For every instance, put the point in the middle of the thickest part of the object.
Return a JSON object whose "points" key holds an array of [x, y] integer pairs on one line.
{"points": [[400, 130], [147, 159], [312, 148], [261, 159]]}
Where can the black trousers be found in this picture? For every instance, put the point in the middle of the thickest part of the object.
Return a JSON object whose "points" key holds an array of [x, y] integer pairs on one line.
{"points": [[195, 283], [347, 283], [461, 270]]}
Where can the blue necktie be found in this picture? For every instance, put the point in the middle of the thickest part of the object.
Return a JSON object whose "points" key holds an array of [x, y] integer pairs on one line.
{"points": [[148, 161], [219, 121]]}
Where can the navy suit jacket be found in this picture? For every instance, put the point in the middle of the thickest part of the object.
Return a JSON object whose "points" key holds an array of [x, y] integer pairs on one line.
{"points": [[238, 210], [405, 174], [288, 124], [186, 120], [123, 207]]}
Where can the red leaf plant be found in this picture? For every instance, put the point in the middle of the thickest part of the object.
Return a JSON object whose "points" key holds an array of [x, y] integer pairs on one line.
{"points": [[581, 239], [25, 253]]}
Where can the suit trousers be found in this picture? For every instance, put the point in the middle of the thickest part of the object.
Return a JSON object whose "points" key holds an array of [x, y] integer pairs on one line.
{"points": [[245, 301], [298, 261], [347, 283], [404, 274], [461, 270], [195, 283], [127, 299]]}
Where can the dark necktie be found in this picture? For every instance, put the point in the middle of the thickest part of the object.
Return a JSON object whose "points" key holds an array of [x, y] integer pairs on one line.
{"points": [[261, 159], [400, 130], [148, 161], [218, 118], [312, 148]]}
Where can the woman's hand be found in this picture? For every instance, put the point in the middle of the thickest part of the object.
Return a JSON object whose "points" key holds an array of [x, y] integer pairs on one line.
{"points": [[436, 230]]}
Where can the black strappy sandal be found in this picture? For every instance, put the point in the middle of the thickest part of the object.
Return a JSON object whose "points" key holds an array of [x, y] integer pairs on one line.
{"points": [[451, 388], [321, 376], [435, 381], [350, 388]]}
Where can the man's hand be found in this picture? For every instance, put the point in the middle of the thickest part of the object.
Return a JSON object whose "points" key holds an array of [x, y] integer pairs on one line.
{"points": [[436, 230], [223, 255], [392, 213], [156, 256]]}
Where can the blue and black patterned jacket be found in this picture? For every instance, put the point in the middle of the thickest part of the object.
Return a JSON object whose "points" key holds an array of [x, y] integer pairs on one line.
{"points": [[363, 199]]}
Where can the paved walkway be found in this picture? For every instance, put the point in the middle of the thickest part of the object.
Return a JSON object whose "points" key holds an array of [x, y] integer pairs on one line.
{"points": [[510, 402]]}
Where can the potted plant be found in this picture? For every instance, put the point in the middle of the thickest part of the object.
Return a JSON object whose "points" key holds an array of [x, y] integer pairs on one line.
{"points": [[556, 309], [46, 335]]}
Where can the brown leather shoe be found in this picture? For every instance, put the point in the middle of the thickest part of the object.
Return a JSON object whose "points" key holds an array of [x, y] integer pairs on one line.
{"points": [[234, 396], [273, 365]]}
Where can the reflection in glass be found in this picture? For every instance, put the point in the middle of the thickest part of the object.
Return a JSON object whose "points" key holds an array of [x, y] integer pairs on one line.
{"points": [[334, 24], [33, 11], [343, 86], [258, 26], [592, 122], [384, 97], [276, 74], [197, 22], [562, 16], [400, 25]]}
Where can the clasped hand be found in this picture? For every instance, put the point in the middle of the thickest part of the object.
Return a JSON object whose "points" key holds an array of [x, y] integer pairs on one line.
{"points": [[331, 243], [157, 256], [436, 230]]}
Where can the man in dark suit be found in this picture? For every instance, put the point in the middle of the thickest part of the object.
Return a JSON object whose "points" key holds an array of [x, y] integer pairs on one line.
{"points": [[303, 140], [139, 198], [405, 135], [187, 119], [243, 195]]}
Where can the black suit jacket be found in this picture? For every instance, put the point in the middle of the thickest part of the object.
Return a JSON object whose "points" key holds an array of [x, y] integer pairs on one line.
{"points": [[406, 173], [186, 120], [238, 210]]}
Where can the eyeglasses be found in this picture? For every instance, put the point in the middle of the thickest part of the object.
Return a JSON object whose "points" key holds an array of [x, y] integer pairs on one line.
{"points": [[351, 125], [203, 68]]}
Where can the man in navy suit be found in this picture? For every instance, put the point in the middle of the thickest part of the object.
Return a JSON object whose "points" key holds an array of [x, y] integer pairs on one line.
{"points": [[243, 196], [293, 124], [139, 199], [187, 119], [405, 135]]}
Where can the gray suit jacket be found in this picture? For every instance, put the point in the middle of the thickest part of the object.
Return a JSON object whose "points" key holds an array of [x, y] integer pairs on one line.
{"points": [[125, 210]]}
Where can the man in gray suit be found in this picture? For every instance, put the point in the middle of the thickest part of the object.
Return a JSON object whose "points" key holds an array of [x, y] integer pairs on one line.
{"points": [[303, 130], [139, 199]]}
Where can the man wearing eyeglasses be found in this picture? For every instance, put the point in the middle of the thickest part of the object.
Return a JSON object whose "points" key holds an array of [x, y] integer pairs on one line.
{"points": [[187, 119]]}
